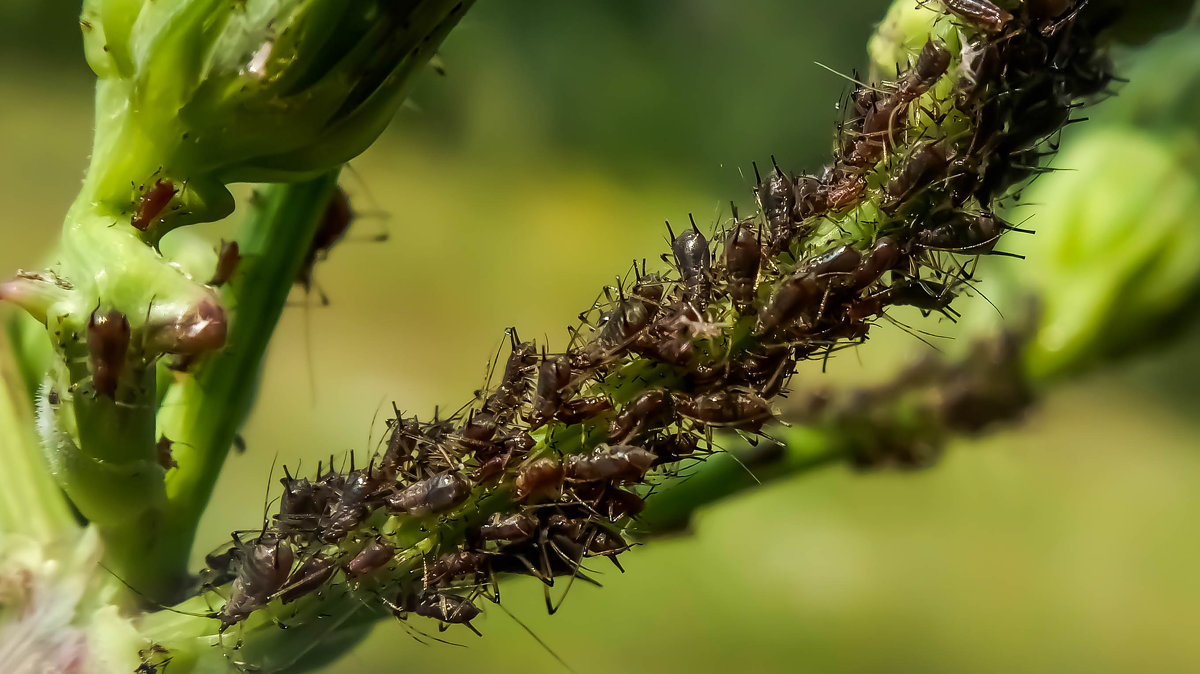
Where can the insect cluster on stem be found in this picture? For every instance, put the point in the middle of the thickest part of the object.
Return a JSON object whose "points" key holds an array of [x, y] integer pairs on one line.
{"points": [[549, 465]]}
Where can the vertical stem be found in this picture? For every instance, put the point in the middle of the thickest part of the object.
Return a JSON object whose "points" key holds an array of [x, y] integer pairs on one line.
{"points": [[202, 414]]}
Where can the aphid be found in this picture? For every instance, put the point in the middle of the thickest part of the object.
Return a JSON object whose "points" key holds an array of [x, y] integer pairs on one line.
{"points": [[924, 295], [265, 567], [796, 293], [810, 198], [884, 255], [520, 365], [921, 168], [539, 477], [838, 261], [983, 14], [430, 496], [610, 463], [516, 528], [455, 565], [644, 412], [581, 409], [446, 608], [742, 258], [227, 263], [299, 508], [554, 374], [309, 577], [491, 468], [401, 447], [335, 222], [619, 504], [691, 257], [374, 556], [731, 409], [479, 429], [980, 66], [963, 233], [350, 507], [931, 64], [845, 192], [108, 337], [776, 198], [162, 451], [152, 203]]}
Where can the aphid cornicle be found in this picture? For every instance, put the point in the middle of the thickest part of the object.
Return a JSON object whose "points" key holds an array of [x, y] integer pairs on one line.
{"points": [[265, 566], [431, 496], [742, 258], [108, 336], [152, 203]]}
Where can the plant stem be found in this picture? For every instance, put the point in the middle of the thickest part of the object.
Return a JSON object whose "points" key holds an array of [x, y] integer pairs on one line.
{"points": [[30, 502], [202, 413]]}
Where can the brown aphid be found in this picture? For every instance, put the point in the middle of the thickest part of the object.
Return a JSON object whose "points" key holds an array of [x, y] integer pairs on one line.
{"points": [[731, 409], [963, 233], [810, 198], [777, 199], [227, 263], [931, 64], [152, 203], [335, 222], [515, 382], [984, 15], [581, 409], [692, 258], [742, 258], [537, 478], [446, 608], [162, 451], [430, 496], [980, 66], [845, 192], [108, 337], [793, 296], [350, 506], [610, 463], [309, 577], [554, 374], [884, 255], [515, 528], [620, 504], [265, 566], [491, 468], [455, 565], [374, 556], [923, 166], [647, 410]]}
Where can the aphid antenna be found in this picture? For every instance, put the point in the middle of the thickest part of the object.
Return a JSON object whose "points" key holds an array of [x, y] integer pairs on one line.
{"points": [[850, 78], [541, 642]]}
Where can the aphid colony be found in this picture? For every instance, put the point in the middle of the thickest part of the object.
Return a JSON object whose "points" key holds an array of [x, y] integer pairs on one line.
{"points": [[549, 465]]}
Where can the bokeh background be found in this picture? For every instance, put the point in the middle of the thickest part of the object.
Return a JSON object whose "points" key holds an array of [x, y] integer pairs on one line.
{"points": [[536, 170]]}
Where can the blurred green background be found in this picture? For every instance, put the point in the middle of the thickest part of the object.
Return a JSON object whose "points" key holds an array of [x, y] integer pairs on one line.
{"points": [[539, 168]]}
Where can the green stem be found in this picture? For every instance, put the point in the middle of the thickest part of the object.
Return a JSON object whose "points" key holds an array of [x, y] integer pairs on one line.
{"points": [[202, 414], [30, 502]]}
